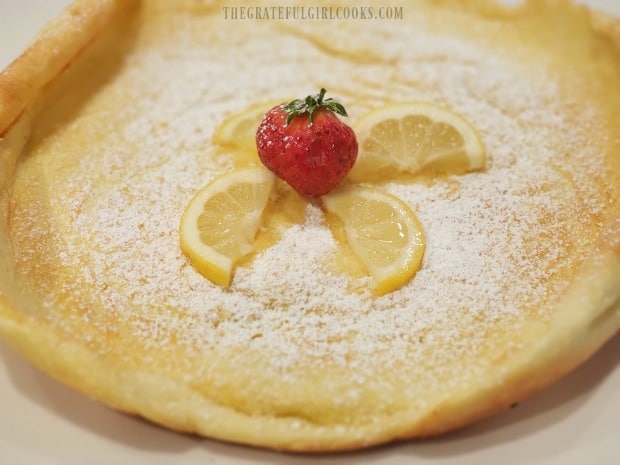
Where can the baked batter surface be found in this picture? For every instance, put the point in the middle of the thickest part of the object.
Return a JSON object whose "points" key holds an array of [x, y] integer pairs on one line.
{"points": [[521, 277]]}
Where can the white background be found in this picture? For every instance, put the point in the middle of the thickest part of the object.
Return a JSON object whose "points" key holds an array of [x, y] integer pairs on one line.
{"points": [[577, 421]]}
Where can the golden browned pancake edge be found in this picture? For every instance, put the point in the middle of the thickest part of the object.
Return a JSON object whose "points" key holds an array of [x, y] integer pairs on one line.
{"points": [[33, 278]]}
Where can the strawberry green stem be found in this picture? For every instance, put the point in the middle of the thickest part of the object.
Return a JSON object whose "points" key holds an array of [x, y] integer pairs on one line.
{"points": [[310, 105]]}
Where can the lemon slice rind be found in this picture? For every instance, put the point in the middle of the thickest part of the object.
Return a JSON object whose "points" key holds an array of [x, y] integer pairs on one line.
{"points": [[236, 228], [409, 158], [239, 130], [372, 218]]}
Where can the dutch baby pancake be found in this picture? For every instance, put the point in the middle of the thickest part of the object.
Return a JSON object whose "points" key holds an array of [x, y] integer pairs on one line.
{"points": [[116, 116]]}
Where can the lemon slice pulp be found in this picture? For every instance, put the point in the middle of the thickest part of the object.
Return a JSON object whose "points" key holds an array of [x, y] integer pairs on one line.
{"points": [[382, 231], [238, 131], [411, 137], [220, 222]]}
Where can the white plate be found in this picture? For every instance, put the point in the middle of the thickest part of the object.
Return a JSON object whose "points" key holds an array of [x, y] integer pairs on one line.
{"points": [[577, 421]]}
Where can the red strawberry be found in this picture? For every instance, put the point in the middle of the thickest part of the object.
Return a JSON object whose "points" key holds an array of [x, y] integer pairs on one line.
{"points": [[304, 143]]}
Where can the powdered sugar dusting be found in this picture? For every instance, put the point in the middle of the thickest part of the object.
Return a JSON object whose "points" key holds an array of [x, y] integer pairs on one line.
{"points": [[483, 264]]}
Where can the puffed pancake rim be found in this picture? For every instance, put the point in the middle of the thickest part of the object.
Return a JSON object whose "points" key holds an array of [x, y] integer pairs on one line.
{"points": [[106, 123]]}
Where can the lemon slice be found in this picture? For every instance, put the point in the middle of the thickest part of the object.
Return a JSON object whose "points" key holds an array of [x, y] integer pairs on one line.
{"points": [[239, 130], [382, 231], [411, 137], [220, 222]]}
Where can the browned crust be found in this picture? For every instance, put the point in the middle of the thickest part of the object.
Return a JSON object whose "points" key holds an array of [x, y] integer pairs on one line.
{"points": [[608, 26], [54, 48]]}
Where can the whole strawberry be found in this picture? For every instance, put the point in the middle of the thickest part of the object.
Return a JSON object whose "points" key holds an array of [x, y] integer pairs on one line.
{"points": [[304, 143]]}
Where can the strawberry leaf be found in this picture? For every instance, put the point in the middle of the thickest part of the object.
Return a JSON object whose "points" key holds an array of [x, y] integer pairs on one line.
{"points": [[310, 105]]}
